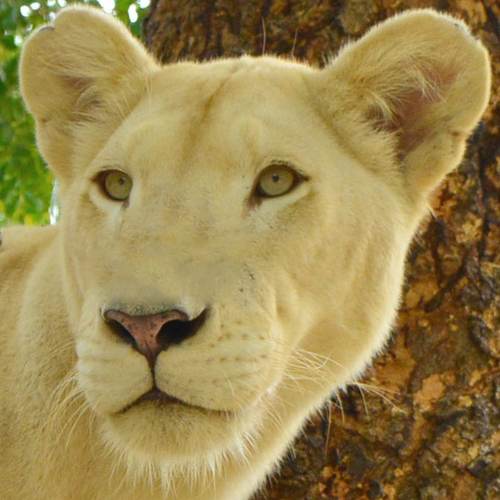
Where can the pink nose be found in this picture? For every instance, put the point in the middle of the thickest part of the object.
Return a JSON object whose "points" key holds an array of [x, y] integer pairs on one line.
{"points": [[153, 333]]}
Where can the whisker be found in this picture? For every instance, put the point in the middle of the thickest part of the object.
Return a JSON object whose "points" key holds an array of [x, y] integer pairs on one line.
{"points": [[294, 41], [363, 398], [375, 390], [338, 397], [263, 35]]}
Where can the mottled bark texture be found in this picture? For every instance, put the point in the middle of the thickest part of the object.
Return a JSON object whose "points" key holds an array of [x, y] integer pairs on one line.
{"points": [[427, 427]]}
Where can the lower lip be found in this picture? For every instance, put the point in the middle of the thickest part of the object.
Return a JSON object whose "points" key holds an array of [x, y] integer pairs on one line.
{"points": [[160, 397], [163, 399], [155, 396]]}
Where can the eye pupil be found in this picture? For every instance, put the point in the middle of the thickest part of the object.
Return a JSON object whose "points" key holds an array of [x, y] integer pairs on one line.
{"points": [[276, 177]]}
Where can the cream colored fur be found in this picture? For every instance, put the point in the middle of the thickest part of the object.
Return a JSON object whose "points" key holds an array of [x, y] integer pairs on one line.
{"points": [[303, 288]]}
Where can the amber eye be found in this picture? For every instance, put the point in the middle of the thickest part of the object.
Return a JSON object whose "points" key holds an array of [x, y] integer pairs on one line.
{"points": [[115, 184], [276, 180]]}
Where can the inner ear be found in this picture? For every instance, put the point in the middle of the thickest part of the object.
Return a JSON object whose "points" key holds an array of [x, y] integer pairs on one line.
{"points": [[87, 102], [405, 112]]}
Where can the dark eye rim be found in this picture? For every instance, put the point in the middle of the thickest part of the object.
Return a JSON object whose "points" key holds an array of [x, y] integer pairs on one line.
{"points": [[100, 180], [298, 178]]}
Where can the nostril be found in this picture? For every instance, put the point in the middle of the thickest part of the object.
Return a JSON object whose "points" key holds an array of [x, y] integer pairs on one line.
{"points": [[174, 332], [121, 331]]}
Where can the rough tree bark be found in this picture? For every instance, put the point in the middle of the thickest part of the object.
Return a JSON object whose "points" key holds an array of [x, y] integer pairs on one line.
{"points": [[428, 424]]}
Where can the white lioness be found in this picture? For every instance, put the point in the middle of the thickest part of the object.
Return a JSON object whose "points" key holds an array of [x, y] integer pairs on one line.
{"points": [[230, 250]]}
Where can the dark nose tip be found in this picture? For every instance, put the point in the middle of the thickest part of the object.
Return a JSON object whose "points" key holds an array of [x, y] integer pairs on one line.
{"points": [[154, 333]]}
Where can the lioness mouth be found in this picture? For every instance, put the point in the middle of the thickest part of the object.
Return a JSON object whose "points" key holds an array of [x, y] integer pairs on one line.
{"points": [[163, 399], [156, 394]]}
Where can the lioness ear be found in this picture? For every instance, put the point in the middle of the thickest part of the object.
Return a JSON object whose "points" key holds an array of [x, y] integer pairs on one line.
{"points": [[83, 68], [407, 95]]}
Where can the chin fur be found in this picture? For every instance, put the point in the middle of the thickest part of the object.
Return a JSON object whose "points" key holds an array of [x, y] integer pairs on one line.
{"points": [[158, 443]]}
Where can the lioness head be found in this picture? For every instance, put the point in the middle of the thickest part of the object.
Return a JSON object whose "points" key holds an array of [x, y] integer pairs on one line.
{"points": [[234, 231]]}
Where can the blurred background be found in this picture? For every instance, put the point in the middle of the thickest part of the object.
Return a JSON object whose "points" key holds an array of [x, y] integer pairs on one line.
{"points": [[25, 182]]}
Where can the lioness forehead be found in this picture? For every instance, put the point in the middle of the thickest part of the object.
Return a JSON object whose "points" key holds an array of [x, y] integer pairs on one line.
{"points": [[213, 81], [229, 112]]}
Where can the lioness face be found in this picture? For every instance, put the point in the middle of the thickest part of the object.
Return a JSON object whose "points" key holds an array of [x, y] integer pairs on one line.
{"points": [[272, 273], [264, 205]]}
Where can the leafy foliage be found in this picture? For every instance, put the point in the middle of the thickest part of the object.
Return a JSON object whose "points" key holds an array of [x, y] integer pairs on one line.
{"points": [[25, 182]]}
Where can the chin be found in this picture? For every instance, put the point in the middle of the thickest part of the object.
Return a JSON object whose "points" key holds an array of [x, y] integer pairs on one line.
{"points": [[180, 435]]}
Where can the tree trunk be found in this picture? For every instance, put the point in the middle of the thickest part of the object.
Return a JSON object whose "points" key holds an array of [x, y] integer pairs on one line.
{"points": [[426, 424]]}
